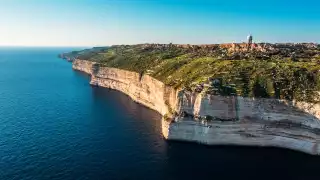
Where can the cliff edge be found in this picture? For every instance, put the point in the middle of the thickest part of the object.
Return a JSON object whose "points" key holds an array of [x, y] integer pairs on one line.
{"points": [[208, 118]]}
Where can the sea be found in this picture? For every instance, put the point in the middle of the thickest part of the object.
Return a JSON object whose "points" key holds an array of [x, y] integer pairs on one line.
{"points": [[54, 125]]}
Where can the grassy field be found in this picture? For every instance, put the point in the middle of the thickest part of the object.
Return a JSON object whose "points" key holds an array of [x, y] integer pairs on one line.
{"points": [[278, 76]]}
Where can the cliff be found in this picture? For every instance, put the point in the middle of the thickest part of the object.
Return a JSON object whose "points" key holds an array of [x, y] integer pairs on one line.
{"points": [[216, 119], [280, 71], [142, 89]]}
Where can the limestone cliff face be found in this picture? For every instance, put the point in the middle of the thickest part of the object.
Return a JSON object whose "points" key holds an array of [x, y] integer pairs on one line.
{"points": [[234, 120], [247, 121], [241, 108], [142, 89], [245, 134], [84, 66]]}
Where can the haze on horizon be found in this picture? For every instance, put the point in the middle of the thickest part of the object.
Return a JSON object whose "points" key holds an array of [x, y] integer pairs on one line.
{"points": [[107, 22]]}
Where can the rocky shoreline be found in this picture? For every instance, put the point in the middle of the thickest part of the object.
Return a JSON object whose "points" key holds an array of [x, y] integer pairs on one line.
{"points": [[216, 120]]}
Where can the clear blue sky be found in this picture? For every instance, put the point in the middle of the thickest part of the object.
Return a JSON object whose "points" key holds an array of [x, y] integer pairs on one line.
{"points": [[107, 22]]}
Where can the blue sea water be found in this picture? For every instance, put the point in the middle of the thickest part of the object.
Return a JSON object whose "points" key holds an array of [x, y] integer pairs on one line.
{"points": [[54, 125]]}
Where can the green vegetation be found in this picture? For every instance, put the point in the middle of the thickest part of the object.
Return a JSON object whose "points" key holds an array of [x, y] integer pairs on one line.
{"points": [[278, 76]]}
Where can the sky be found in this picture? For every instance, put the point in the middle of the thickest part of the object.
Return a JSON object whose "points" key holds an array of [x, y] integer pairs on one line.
{"points": [[108, 22]]}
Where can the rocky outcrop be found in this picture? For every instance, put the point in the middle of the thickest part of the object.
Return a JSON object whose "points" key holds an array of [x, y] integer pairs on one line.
{"points": [[84, 66], [213, 119]]}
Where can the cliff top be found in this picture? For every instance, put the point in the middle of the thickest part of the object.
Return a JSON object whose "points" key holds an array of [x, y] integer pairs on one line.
{"points": [[284, 70]]}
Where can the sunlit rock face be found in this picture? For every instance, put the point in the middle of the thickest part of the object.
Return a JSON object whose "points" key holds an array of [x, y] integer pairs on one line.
{"points": [[213, 119], [142, 89], [84, 66]]}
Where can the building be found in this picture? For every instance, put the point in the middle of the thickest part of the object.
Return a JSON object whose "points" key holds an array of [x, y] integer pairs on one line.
{"points": [[249, 38]]}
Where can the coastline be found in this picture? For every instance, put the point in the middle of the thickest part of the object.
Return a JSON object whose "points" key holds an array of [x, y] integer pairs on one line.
{"points": [[255, 122]]}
